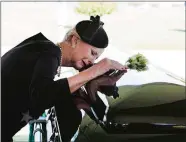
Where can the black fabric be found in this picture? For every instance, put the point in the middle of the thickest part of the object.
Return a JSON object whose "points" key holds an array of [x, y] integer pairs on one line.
{"points": [[27, 73], [99, 108], [69, 118], [92, 32]]}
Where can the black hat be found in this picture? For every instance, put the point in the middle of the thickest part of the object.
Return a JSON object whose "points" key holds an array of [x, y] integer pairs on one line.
{"points": [[92, 32]]}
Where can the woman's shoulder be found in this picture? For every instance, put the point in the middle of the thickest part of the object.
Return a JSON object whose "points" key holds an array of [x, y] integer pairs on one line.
{"points": [[39, 43], [40, 40], [35, 37], [46, 46]]}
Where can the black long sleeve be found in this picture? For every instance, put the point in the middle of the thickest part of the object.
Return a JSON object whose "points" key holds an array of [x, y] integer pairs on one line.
{"points": [[44, 92], [27, 77]]}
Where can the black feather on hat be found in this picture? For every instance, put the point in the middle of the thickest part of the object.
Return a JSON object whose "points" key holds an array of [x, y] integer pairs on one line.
{"points": [[92, 32]]}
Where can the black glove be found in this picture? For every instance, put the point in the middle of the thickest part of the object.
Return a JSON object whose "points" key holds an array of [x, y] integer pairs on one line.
{"points": [[106, 84]]}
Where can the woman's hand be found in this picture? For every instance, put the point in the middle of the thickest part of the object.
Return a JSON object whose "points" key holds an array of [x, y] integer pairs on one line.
{"points": [[98, 69], [106, 84], [105, 65]]}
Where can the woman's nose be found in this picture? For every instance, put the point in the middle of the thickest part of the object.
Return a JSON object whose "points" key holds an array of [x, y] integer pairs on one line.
{"points": [[91, 61], [87, 62]]}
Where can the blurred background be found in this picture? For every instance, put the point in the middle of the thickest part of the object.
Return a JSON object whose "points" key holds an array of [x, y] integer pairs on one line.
{"points": [[155, 29]]}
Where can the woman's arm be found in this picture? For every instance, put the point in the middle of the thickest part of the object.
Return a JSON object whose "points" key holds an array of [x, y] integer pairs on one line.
{"points": [[45, 92], [75, 82]]}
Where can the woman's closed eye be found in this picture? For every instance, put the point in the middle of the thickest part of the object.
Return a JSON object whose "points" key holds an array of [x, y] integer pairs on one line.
{"points": [[94, 53]]}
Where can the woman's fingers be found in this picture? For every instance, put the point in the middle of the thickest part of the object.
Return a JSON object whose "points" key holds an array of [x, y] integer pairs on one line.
{"points": [[111, 71], [117, 76], [116, 65], [109, 80]]}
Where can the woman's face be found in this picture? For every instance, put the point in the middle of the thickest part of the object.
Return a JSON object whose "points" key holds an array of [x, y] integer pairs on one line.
{"points": [[83, 54]]}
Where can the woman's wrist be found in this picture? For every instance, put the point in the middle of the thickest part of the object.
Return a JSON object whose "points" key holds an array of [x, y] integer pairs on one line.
{"points": [[75, 82], [96, 70]]}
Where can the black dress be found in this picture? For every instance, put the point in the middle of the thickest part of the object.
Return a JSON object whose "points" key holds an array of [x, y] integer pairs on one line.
{"points": [[27, 86]]}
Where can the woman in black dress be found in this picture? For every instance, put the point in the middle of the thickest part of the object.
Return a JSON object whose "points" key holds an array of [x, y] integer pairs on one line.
{"points": [[28, 71]]}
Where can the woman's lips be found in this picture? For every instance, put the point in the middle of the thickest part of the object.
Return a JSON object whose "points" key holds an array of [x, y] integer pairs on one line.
{"points": [[84, 65]]}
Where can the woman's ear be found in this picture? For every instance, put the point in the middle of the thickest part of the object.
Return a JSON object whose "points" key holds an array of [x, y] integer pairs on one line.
{"points": [[74, 41]]}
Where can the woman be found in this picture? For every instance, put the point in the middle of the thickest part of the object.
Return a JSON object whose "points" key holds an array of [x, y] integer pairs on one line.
{"points": [[28, 71]]}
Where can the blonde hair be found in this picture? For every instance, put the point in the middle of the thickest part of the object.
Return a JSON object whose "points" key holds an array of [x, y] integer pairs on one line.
{"points": [[70, 33]]}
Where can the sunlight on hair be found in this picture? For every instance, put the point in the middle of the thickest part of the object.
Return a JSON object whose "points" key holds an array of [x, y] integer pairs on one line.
{"points": [[69, 34]]}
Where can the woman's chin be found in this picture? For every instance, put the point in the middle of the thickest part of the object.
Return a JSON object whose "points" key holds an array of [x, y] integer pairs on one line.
{"points": [[78, 67]]}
